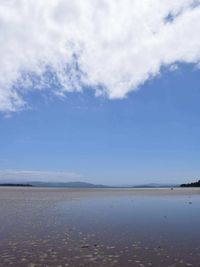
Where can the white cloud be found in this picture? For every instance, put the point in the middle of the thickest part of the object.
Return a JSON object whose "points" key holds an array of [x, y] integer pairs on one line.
{"points": [[50, 176], [113, 46]]}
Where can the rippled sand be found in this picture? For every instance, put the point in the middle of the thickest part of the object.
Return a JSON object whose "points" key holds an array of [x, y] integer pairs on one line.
{"points": [[99, 227]]}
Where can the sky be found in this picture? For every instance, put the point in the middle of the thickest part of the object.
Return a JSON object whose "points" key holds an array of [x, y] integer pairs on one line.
{"points": [[104, 92]]}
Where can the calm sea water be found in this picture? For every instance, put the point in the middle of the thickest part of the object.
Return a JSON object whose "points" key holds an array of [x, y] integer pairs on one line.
{"points": [[56, 227]]}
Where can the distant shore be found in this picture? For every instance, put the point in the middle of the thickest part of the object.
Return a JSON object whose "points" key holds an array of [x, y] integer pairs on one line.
{"points": [[195, 184], [17, 185], [83, 185]]}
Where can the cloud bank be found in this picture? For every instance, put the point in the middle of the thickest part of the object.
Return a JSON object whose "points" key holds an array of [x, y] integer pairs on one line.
{"points": [[44, 176], [111, 46]]}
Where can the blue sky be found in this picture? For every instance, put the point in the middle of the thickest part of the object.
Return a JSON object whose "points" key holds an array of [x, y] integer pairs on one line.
{"points": [[152, 135], [100, 91]]}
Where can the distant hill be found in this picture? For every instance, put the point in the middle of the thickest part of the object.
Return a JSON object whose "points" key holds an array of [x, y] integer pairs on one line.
{"points": [[68, 185], [195, 184], [79, 184]]}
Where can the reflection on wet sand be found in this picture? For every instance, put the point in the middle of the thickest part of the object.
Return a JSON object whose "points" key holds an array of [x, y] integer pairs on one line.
{"points": [[71, 227]]}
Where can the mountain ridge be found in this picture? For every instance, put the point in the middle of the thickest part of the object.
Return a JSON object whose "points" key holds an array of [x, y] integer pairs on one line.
{"points": [[79, 184]]}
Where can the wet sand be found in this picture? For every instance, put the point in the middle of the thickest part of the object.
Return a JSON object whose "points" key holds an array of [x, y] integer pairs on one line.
{"points": [[99, 227]]}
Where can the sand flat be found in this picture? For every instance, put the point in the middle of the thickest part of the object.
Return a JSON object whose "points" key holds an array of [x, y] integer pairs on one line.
{"points": [[99, 227]]}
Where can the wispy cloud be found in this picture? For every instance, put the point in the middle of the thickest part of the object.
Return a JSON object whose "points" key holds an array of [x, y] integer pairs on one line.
{"points": [[50, 176], [112, 46]]}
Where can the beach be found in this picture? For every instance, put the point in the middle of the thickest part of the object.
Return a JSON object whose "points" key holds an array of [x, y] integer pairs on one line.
{"points": [[99, 227]]}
